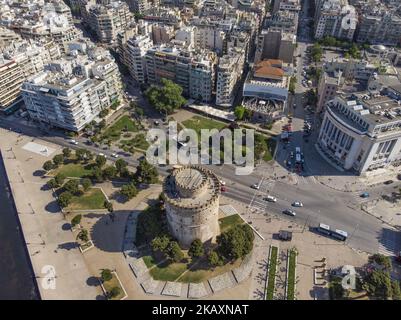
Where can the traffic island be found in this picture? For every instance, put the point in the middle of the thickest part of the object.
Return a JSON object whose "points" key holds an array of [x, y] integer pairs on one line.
{"points": [[271, 273]]}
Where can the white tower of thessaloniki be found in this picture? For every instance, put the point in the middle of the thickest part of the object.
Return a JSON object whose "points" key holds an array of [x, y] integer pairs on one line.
{"points": [[192, 204]]}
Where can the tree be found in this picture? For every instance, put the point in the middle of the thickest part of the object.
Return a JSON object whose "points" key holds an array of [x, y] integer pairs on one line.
{"points": [[97, 174], [48, 165], [316, 52], [83, 235], [381, 260], [248, 114], [378, 284], [167, 97], [86, 184], [103, 113], [66, 152], [236, 242], [59, 178], [106, 275], [72, 186], [109, 172], [109, 206], [293, 81], [58, 159], [76, 220], [395, 288], [64, 199], [174, 251], [114, 292], [129, 191], [196, 249], [80, 154], [100, 161], [146, 172], [52, 183], [160, 244], [214, 259], [120, 165], [239, 112]]}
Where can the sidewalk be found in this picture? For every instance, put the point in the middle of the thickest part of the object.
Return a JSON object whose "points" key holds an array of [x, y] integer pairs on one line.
{"points": [[61, 273]]}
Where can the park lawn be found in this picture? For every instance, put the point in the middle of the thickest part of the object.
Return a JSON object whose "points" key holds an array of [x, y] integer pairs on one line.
{"points": [[139, 142], [113, 282], [271, 146], [271, 275], [91, 199], [73, 170], [291, 275], [168, 272], [230, 222], [197, 123], [124, 123], [201, 271], [149, 261]]}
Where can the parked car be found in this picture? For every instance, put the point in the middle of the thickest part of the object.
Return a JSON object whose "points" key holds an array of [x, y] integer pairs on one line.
{"points": [[102, 155], [290, 212], [223, 189], [72, 141], [388, 182], [364, 195], [114, 155], [285, 235], [223, 183]]}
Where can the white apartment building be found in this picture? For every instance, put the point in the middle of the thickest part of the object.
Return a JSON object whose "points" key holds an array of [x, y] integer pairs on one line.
{"points": [[361, 133], [335, 18], [229, 72], [137, 47], [138, 6], [64, 101]]}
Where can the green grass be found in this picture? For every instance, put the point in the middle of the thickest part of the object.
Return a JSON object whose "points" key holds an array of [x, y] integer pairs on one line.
{"points": [[139, 142], [73, 170], [149, 261], [271, 146], [197, 123], [271, 273], [291, 275], [230, 222], [168, 272], [113, 282], [91, 199], [124, 123]]}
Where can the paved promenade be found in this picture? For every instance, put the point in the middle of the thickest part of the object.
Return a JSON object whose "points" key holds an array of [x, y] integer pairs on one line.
{"points": [[60, 269]]}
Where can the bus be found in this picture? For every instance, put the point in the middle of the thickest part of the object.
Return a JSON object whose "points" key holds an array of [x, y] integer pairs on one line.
{"points": [[336, 234], [339, 234]]}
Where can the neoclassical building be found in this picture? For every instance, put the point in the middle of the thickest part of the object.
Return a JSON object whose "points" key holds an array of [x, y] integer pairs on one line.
{"points": [[361, 132]]}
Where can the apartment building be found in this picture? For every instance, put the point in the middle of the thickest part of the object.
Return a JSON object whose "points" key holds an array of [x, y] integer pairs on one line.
{"points": [[229, 73], [361, 132], [7, 36], [335, 18], [328, 86], [379, 27], [192, 70], [11, 78], [139, 6], [108, 20], [137, 47]]}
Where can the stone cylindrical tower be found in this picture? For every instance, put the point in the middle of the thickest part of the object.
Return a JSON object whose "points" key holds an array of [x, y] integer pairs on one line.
{"points": [[192, 204]]}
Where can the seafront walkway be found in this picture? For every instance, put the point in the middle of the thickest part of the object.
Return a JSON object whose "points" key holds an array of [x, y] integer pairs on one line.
{"points": [[59, 267]]}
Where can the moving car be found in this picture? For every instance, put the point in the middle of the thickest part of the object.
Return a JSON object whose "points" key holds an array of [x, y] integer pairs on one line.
{"points": [[365, 195], [72, 141], [114, 155], [290, 212], [223, 183], [388, 182], [255, 186], [297, 204], [270, 199], [223, 189], [102, 155]]}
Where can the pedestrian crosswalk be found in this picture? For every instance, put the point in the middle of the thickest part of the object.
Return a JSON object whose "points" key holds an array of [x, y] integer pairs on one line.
{"points": [[389, 242], [303, 180]]}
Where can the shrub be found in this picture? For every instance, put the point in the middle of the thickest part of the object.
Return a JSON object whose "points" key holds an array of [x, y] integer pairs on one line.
{"points": [[106, 275], [48, 165], [114, 292], [196, 250], [86, 184], [76, 220]]}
